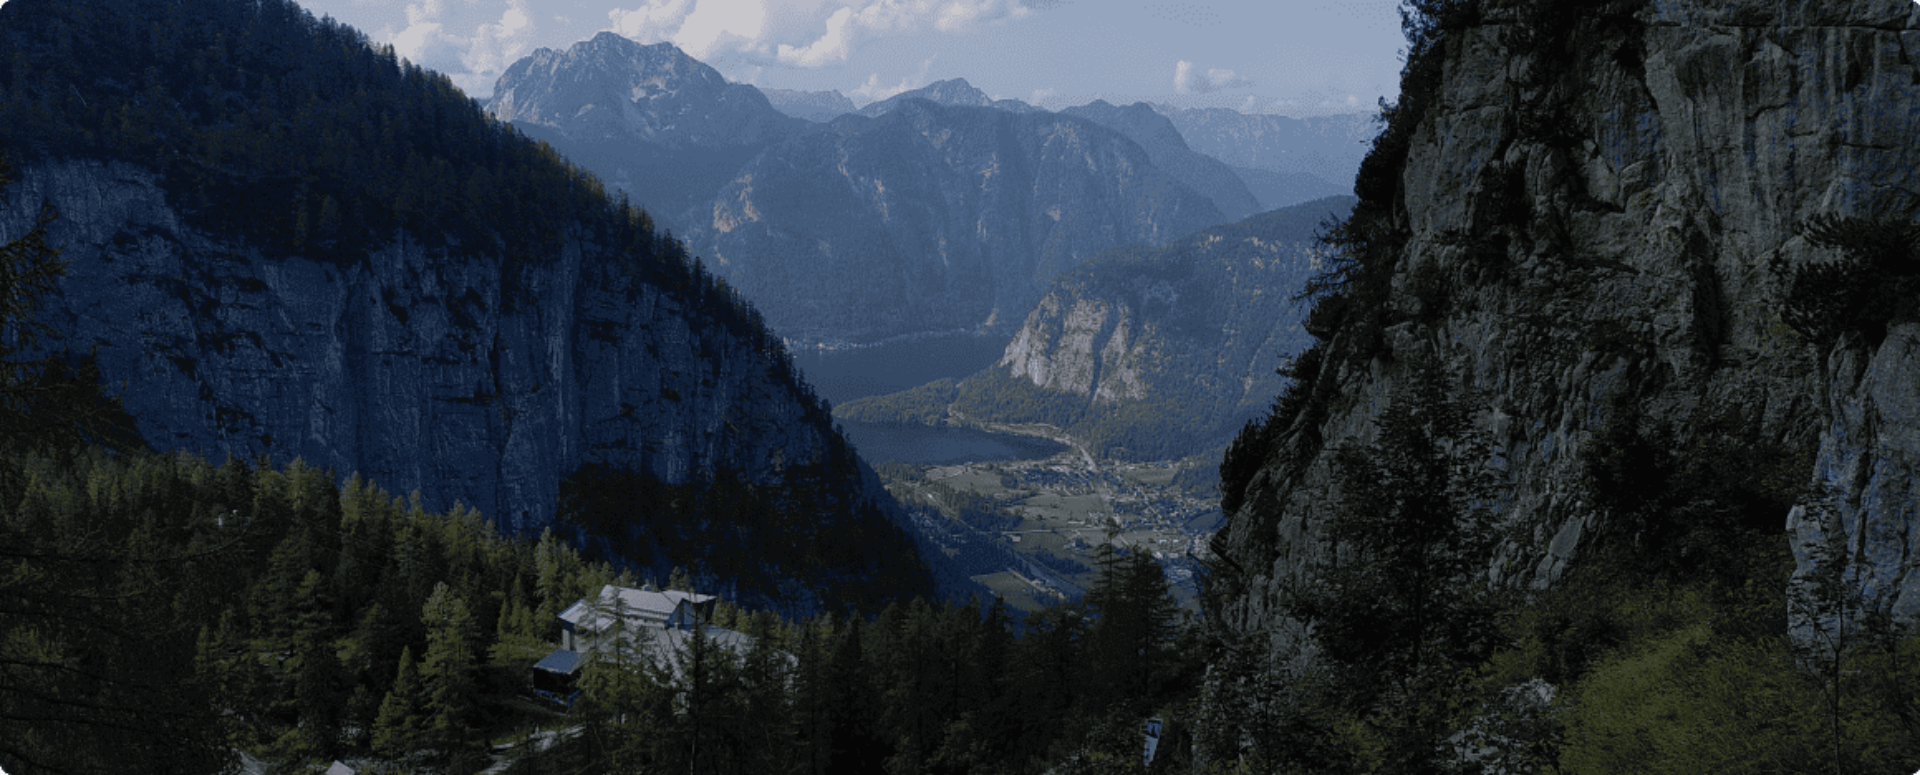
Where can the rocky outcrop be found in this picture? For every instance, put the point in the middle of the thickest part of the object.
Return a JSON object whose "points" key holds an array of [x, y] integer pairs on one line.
{"points": [[463, 379], [932, 218], [663, 127], [1152, 354], [1168, 150], [1581, 231], [609, 87]]}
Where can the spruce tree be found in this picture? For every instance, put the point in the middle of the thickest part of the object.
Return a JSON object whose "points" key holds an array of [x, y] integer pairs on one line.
{"points": [[1401, 603], [396, 731], [448, 673]]}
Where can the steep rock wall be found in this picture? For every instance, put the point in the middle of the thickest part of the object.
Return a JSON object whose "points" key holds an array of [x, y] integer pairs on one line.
{"points": [[1590, 203], [464, 379]]}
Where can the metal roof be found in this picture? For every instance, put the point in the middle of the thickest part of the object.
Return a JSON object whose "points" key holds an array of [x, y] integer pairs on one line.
{"points": [[560, 661]]}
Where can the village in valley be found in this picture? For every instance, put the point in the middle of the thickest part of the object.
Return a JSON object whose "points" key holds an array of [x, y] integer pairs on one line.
{"points": [[1029, 529]]}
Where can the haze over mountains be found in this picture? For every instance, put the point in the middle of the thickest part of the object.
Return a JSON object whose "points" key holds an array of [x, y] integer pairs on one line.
{"points": [[938, 209], [1147, 354]]}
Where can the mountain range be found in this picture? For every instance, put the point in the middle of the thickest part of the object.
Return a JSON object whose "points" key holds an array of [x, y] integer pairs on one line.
{"points": [[937, 209]]}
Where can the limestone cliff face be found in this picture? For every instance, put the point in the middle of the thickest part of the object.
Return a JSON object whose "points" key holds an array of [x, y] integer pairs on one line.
{"points": [[1589, 207], [650, 121], [1162, 353], [468, 380]]}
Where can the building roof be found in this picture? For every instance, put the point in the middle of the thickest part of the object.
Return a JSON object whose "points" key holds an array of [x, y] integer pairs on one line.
{"points": [[339, 769], [638, 606], [560, 661]]}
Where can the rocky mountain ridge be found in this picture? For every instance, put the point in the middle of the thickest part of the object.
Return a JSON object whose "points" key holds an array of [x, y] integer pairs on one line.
{"points": [[932, 218], [1168, 150], [651, 121], [953, 92], [1285, 160], [819, 106], [1585, 218]]}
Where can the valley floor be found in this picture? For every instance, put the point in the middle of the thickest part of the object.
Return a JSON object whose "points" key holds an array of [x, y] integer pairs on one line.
{"points": [[1049, 516]]}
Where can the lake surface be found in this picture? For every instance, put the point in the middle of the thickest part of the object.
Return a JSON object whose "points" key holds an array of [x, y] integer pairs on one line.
{"points": [[928, 445], [843, 375]]}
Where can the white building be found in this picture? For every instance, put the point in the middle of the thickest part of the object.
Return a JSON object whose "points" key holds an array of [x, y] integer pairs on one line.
{"points": [[631, 623], [587, 624]]}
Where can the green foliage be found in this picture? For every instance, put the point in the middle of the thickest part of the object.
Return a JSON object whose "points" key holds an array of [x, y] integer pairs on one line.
{"points": [[1689, 699], [1401, 604], [397, 730], [1692, 510], [1871, 285], [659, 525], [926, 405]]}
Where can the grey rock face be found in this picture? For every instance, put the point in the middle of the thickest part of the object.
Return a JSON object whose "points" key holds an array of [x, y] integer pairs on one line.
{"points": [[463, 379], [1621, 259], [650, 121], [1187, 336], [610, 87], [1169, 152], [932, 218]]}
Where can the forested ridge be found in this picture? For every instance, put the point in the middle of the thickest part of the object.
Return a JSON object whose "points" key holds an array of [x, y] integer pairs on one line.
{"points": [[165, 613], [294, 137]]}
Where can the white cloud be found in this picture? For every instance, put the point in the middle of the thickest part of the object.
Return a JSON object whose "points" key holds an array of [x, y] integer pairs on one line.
{"points": [[495, 47], [874, 91], [651, 23], [832, 47], [1186, 80], [805, 33], [963, 15], [718, 26]]}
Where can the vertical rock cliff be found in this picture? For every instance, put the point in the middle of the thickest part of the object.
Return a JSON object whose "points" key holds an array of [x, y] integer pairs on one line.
{"points": [[1588, 216], [483, 382]]}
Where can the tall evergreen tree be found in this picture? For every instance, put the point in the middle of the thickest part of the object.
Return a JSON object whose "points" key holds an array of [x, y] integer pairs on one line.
{"points": [[1402, 604], [452, 688], [397, 730]]}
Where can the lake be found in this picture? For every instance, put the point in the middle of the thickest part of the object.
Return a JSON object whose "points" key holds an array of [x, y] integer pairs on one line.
{"points": [[928, 445], [846, 374], [876, 370]]}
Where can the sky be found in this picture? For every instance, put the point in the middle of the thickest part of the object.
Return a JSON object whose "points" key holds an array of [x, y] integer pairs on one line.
{"points": [[1291, 57]]}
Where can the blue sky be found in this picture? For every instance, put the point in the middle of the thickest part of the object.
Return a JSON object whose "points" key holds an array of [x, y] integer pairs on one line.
{"points": [[1294, 57]]}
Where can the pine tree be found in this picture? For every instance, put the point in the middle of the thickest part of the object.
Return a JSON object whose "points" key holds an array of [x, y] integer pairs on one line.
{"points": [[1135, 621], [1401, 603], [396, 731], [448, 673]]}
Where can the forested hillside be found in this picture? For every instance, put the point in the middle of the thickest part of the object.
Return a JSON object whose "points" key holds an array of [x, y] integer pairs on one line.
{"points": [[165, 614], [281, 241]]}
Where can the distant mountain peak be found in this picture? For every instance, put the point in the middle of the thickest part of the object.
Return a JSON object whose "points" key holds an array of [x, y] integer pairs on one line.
{"points": [[954, 92], [611, 87]]}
